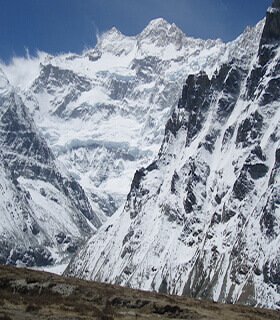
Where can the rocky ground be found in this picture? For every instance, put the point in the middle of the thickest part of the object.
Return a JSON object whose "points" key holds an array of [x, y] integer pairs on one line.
{"points": [[28, 294]]}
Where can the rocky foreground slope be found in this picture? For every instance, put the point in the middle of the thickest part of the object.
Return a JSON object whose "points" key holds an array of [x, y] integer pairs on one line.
{"points": [[204, 218], [26, 294]]}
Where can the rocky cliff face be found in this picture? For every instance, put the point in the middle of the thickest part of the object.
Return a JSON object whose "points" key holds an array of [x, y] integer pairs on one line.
{"points": [[44, 214], [203, 219]]}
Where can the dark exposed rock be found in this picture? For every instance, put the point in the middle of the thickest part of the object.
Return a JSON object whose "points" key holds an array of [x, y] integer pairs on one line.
{"points": [[60, 237], [35, 229], [242, 186], [259, 153], [189, 202], [170, 310], [95, 55], [228, 135], [75, 192], [276, 167], [72, 247], [36, 256], [197, 87], [268, 220], [174, 179], [258, 170], [250, 129], [270, 36], [172, 214], [210, 140], [227, 214], [221, 75], [271, 271], [271, 31], [231, 90], [139, 174], [132, 203], [173, 124], [128, 237], [216, 218], [152, 166], [127, 250], [277, 158], [195, 101], [253, 81], [271, 92], [163, 286], [190, 199], [218, 199]]}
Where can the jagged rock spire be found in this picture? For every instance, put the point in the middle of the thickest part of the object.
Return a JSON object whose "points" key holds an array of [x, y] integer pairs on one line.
{"points": [[276, 4], [271, 31]]}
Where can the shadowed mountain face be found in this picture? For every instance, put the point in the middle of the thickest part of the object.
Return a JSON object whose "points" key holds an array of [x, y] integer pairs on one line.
{"points": [[44, 214], [204, 219], [26, 294]]}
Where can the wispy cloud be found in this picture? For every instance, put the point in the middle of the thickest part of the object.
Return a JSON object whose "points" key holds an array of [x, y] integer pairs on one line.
{"points": [[21, 71]]}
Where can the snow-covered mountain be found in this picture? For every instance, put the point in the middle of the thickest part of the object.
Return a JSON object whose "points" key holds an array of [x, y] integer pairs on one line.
{"points": [[203, 219], [45, 216], [103, 113]]}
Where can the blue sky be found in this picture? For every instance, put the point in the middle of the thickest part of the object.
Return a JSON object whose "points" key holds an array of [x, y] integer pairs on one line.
{"points": [[58, 26]]}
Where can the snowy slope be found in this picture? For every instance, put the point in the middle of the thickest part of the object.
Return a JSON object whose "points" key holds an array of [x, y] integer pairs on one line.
{"points": [[44, 215], [204, 219], [103, 112]]}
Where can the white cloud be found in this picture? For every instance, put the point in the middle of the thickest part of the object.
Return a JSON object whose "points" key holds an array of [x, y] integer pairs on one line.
{"points": [[21, 71]]}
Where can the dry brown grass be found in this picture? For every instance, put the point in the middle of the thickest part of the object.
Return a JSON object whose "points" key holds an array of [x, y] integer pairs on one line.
{"points": [[26, 294]]}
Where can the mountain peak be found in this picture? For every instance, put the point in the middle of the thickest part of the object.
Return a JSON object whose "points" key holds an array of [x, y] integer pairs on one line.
{"points": [[115, 42], [271, 31], [161, 33], [111, 33], [158, 23]]}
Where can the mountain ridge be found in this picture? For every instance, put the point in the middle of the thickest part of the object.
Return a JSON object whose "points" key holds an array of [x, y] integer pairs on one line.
{"points": [[79, 116], [196, 225]]}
